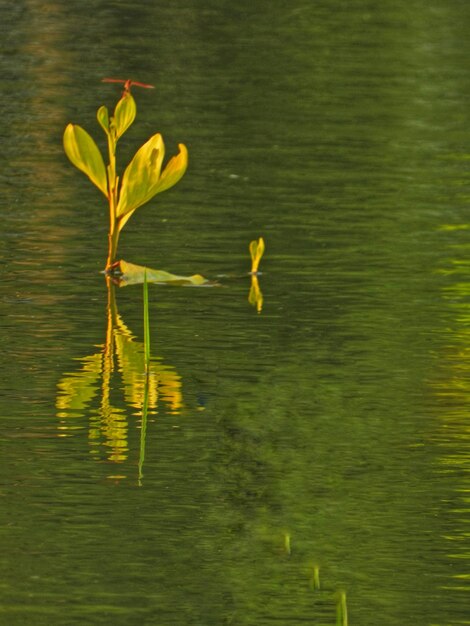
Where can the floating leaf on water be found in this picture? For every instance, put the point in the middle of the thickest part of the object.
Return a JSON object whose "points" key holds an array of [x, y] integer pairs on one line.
{"points": [[131, 274]]}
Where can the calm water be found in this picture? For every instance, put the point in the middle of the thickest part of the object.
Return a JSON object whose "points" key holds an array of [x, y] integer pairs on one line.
{"points": [[332, 428]]}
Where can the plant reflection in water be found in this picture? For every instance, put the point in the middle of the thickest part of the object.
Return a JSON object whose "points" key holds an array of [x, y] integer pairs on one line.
{"points": [[146, 381], [89, 390]]}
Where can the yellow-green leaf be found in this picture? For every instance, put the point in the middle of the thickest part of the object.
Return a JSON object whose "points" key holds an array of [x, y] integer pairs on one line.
{"points": [[135, 274], [142, 173], [173, 171], [84, 154], [256, 251], [102, 116], [124, 114], [143, 178]]}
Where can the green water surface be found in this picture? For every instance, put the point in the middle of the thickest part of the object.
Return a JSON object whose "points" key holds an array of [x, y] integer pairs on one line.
{"points": [[330, 429]]}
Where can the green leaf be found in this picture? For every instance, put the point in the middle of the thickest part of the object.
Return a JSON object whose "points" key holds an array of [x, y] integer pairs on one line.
{"points": [[173, 171], [142, 173], [143, 179], [84, 154], [131, 274], [124, 114], [102, 116]]}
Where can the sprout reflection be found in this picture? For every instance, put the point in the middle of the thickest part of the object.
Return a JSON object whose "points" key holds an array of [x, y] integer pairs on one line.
{"points": [[255, 297], [118, 365]]}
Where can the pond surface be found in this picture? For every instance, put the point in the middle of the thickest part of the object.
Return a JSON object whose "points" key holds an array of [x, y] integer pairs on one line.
{"points": [[322, 441]]}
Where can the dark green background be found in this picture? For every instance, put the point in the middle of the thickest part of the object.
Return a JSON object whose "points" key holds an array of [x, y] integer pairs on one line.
{"points": [[339, 131]]}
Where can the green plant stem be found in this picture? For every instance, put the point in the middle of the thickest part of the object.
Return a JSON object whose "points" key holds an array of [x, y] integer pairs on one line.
{"points": [[113, 236], [146, 325], [113, 239]]}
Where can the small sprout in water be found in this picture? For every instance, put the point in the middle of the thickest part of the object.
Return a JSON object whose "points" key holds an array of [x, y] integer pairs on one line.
{"points": [[256, 251], [255, 297]]}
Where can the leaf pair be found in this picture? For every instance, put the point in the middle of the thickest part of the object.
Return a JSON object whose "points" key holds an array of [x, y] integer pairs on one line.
{"points": [[143, 177], [124, 115], [256, 251]]}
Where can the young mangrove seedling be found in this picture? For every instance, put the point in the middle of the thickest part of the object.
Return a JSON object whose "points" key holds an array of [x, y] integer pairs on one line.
{"points": [[142, 179], [256, 251], [255, 297]]}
